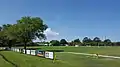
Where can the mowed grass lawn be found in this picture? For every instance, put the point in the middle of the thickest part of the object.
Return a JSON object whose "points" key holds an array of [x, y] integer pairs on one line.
{"points": [[3, 63], [23, 60], [65, 59], [108, 50], [88, 61]]}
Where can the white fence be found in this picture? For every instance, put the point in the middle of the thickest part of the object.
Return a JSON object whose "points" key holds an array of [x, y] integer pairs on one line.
{"points": [[46, 54]]}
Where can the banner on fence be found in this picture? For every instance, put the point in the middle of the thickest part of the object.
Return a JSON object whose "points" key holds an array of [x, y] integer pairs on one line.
{"points": [[28, 51], [49, 55], [17, 50], [40, 53], [33, 52]]}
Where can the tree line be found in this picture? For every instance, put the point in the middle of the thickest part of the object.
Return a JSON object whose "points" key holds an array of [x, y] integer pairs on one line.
{"points": [[23, 32], [85, 42]]}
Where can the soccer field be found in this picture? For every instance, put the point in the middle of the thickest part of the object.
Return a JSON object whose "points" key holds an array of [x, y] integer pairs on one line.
{"points": [[65, 59], [108, 50]]}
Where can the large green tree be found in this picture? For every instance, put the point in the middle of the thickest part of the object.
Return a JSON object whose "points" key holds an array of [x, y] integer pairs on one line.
{"points": [[27, 29], [63, 42], [0, 28], [76, 42], [107, 42], [12, 35], [55, 43], [3, 35], [1, 38], [97, 41], [30, 28], [86, 41]]}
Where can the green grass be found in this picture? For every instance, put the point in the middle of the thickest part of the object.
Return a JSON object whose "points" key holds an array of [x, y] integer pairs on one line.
{"points": [[100, 50], [23, 60], [65, 60], [88, 61], [3, 63]]}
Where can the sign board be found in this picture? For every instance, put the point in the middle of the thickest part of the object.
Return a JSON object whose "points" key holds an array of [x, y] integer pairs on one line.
{"points": [[49, 55], [28, 51], [76, 45], [17, 50], [2, 47], [13, 49], [40, 53], [32, 52]]}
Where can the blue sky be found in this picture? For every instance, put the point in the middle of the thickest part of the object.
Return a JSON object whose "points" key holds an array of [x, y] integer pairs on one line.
{"points": [[70, 18]]}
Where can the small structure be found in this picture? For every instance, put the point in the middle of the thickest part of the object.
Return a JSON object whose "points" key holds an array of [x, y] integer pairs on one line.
{"points": [[76, 45], [66, 45]]}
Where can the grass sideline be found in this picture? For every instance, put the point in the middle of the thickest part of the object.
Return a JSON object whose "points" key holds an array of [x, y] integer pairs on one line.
{"points": [[66, 60], [108, 50], [22, 60], [4, 63]]}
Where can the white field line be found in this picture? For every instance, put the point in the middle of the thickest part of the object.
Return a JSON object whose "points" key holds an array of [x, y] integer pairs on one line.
{"points": [[93, 55]]}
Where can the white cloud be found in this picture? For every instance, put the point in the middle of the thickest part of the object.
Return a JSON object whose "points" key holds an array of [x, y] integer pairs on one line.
{"points": [[50, 34]]}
